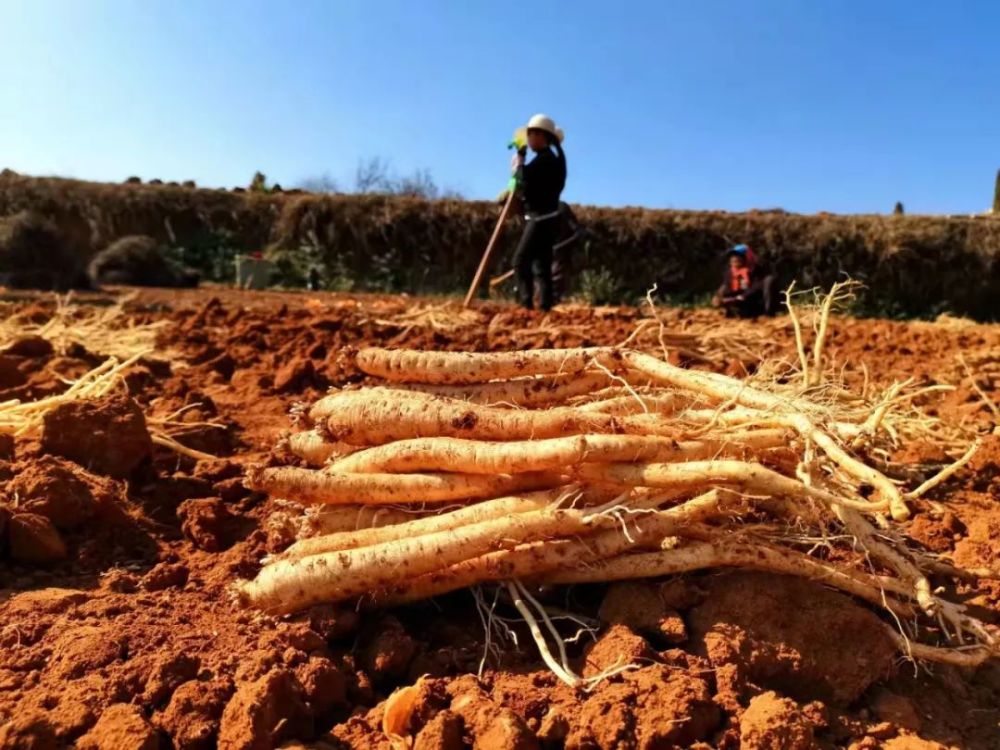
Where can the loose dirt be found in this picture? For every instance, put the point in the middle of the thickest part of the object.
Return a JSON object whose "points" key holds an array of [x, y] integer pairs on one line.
{"points": [[118, 627]]}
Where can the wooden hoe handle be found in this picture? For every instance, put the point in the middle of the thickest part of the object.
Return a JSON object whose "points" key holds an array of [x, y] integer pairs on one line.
{"points": [[484, 263]]}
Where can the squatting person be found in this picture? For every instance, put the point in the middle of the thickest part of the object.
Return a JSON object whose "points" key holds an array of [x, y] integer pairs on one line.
{"points": [[747, 289], [541, 181]]}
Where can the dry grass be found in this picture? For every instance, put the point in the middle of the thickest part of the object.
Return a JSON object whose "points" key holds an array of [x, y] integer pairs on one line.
{"points": [[105, 331]]}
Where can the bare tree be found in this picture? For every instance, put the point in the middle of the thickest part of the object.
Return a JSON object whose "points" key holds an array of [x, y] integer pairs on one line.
{"points": [[322, 183], [420, 184], [372, 176]]}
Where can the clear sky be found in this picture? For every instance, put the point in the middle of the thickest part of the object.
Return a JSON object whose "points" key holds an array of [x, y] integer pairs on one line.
{"points": [[838, 105]]}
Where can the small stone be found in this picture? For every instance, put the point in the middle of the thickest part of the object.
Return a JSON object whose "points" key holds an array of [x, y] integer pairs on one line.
{"points": [[617, 647], [164, 576], [33, 539], [896, 709]]}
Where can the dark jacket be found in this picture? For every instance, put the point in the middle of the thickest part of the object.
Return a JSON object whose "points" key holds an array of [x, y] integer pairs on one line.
{"points": [[542, 181]]}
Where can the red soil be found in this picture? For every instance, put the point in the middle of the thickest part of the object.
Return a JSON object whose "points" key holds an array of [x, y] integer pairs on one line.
{"points": [[118, 628]]}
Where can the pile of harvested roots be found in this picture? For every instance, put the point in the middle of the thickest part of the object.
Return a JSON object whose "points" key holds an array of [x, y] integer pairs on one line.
{"points": [[600, 464]]}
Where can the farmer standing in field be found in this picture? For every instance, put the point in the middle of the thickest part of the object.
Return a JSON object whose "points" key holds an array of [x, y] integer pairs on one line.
{"points": [[541, 181]]}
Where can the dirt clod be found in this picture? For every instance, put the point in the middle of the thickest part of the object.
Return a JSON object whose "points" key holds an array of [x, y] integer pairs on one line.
{"points": [[443, 732], [28, 732], [11, 375], [120, 581], [639, 606], [7, 447], [34, 539], [297, 375], [981, 548], [204, 522], [324, 686], [331, 622], [389, 651], [85, 649], [896, 709], [265, 711], [617, 647], [169, 672], [192, 716], [792, 636], [775, 723], [108, 435], [121, 727], [490, 725], [164, 576], [57, 489], [912, 742], [32, 347]]}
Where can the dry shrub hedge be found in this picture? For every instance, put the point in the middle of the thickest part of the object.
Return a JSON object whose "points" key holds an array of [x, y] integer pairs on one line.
{"points": [[913, 265]]}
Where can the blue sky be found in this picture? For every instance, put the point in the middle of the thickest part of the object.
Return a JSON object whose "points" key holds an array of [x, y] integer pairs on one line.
{"points": [[838, 105]]}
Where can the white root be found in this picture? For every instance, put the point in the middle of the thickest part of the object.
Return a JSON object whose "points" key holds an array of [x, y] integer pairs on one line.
{"points": [[413, 527], [321, 520], [736, 553], [483, 448], [313, 447], [291, 584], [480, 457], [724, 389], [308, 486], [560, 670], [749, 478], [456, 368], [946, 473], [531, 392], [534, 559], [645, 403]]}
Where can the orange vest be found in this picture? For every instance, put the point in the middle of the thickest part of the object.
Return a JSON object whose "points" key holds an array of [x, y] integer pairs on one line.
{"points": [[739, 279]]}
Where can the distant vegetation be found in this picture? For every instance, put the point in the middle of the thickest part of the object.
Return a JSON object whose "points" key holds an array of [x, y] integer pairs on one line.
{"points": [[50, 230], [374, 176]]}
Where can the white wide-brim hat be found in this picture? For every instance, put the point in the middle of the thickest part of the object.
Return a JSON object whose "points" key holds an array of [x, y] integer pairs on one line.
{"points": [[546, 123]]}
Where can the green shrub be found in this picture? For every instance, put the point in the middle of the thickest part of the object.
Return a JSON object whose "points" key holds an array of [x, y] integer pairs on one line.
{"points": [[211, 254], [601, 287]]}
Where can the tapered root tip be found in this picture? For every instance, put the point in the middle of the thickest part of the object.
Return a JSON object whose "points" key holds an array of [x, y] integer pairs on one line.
{"points": [[241, 591], [254, 478]]}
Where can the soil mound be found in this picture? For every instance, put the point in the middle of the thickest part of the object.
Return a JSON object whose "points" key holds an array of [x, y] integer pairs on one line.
{"points": [[59, 490], [121, 727], [767, 631], [107, 435], [36, 254], [775, 723], [137, 260]]}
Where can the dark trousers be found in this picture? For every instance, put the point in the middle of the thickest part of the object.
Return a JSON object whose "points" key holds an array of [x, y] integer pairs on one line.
{"points": [[562, 267], [533, 260], [759, 302]]}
